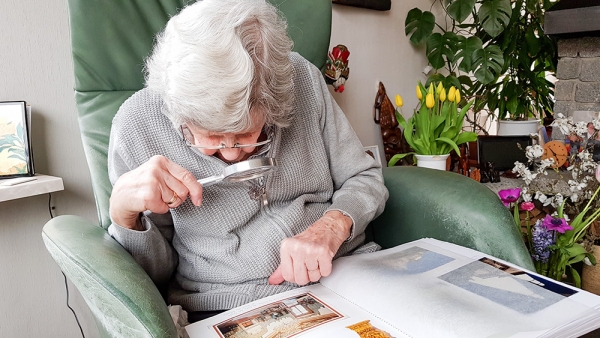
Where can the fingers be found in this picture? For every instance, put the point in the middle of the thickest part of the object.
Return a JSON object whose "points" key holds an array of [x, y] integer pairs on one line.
{"points": [[156, 185], [314, 275], [302, 261], [325, 267], [301, 273], [287, 265], [188, 181], [276, 278]]}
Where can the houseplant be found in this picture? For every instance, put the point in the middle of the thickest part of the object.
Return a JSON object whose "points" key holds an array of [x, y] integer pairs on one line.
{"points": [[565, 206], [494, 50], [435, 129]]}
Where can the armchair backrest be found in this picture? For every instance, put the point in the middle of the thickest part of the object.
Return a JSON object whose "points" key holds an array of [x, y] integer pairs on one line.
{"points": [[112, 38]]}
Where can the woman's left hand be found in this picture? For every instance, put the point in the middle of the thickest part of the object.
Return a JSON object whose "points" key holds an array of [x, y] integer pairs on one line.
{"points": [[307, 256]]}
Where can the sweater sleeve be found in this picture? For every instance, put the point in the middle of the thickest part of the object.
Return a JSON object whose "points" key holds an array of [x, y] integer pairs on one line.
{"points": [[152, 247], [359, 191]]}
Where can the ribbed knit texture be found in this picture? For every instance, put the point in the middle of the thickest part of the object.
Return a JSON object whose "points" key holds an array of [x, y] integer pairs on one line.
{"points": [[226, 249]]}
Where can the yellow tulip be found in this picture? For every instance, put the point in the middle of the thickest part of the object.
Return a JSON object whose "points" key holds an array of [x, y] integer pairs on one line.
{"points": [[419, 94], [439, 88], [430, 91], [429, 101], [399, 102], [457, 96], [443, 95], [451, 94]]}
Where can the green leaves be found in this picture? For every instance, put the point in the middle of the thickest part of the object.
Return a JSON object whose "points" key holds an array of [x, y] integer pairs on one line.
{"points": [[460, 10], [491, 43], [419, 25], [436, 130], [488, 63], [440, 46], [466, 48], [494, 16]]}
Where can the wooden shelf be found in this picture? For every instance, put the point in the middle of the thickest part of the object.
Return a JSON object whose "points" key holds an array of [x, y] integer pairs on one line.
{"points": [[42, 185]]}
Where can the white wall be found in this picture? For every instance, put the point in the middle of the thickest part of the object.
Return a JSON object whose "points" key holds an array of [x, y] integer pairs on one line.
{"points": [[379, 51], [36, 66]]}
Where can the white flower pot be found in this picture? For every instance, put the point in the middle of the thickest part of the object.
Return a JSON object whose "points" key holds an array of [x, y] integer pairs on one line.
{"points": [[518, 128], [432, 161]]}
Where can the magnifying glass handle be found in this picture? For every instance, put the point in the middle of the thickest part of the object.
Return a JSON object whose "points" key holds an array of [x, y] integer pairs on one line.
{"points": [[208, 181]]}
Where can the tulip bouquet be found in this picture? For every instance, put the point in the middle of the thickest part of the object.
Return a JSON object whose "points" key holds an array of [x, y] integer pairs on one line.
{"points": [[556, 242], [436, 126]]}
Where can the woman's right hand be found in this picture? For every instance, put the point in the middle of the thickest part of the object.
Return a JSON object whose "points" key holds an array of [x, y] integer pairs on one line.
{"points": [[157, 185]]}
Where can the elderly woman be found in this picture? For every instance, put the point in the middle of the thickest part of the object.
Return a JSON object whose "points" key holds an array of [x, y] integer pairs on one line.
{"points": [[223, 86]]}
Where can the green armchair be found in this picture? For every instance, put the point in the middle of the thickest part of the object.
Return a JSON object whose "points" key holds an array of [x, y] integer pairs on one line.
{"points": [[110, 40]]}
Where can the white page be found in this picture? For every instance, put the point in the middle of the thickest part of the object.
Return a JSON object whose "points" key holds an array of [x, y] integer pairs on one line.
{"points": [[432, 292], [251, 322]]}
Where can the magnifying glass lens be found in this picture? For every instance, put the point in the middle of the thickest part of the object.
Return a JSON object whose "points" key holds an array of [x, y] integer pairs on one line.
{"points": [[248, 174]]}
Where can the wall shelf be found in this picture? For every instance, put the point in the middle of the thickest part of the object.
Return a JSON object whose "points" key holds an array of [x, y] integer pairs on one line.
{"points": [[42, 185]]}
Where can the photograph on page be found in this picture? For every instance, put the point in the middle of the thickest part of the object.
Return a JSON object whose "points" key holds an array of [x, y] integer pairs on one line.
{"points": [[284, 318]]}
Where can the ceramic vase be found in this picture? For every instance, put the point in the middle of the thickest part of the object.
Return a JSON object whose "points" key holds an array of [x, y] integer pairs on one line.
{"points": [[432, 161], [518, 128]]}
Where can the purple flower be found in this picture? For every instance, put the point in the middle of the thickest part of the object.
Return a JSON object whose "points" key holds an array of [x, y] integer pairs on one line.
{"points": [[541, 238], [527, 206], [509, 196], [556, 224]]}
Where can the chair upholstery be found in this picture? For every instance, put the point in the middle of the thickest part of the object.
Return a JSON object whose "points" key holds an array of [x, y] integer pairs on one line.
{"points": [[110, 40]]}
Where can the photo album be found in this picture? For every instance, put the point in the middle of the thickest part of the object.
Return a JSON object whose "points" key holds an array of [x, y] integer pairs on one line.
{"points": [[425, 288]]}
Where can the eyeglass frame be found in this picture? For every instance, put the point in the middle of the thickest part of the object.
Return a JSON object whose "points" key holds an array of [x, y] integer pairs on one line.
{"points": [[184, 128]]}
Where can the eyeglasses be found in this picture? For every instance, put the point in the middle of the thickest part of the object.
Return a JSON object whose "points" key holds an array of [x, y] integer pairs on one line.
{"points": [[190, 141]]}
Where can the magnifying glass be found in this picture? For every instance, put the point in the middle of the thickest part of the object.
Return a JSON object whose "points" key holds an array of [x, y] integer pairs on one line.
{"points": [[242, 171]]}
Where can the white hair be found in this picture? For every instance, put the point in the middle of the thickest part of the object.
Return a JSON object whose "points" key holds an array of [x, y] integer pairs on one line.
{"points": [[223, 66]]}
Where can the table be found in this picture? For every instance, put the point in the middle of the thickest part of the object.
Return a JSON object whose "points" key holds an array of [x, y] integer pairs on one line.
{"points": [[43, 184]]}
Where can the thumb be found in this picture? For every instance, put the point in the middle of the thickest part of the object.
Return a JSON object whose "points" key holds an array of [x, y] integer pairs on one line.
{"points": [[277, 277]]}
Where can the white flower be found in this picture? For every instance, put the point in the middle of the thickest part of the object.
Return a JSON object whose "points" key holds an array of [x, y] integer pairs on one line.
{"points": [[534, 151], [525, 195], [540, 197], [576, 186], [581, 128], [544, 164], [587, 261], [564, 124], [574, 198], [596, 123], [557, 200]]}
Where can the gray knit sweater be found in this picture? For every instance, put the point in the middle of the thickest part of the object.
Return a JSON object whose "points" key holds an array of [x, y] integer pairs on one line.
{"points": [[223, 252]]}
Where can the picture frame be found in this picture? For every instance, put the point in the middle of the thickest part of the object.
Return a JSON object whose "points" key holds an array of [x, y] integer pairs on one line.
{"points": [[16, 158], [378, 5]]}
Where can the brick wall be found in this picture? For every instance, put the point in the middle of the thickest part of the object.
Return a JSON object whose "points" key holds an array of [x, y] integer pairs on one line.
{"points": [[578, 74]]}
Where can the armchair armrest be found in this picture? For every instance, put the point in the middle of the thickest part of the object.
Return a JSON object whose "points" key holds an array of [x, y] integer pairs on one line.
{"points": [[449, 207], [123, 299]]}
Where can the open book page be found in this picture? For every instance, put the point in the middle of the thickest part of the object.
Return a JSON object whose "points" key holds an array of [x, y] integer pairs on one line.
{"points": [[429, 288], [311, 311]]}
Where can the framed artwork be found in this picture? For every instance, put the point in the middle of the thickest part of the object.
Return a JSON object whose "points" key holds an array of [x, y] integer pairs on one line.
{"points": [[379, 5], [15, 148]]}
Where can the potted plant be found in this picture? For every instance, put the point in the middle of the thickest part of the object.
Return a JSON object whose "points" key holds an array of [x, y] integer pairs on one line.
{"points": [[499, 48], [436, 127]]}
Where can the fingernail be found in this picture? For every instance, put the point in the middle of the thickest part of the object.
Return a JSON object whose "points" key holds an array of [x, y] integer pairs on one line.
{"points": [[199, 202]]}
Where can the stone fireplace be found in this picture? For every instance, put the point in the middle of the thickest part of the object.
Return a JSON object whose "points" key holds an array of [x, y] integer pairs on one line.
{"points": [[576, 25]]}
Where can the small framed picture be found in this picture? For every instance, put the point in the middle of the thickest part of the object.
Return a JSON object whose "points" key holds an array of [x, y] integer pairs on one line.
{"points": [[15, 148], [374, 152], [379, 5]]}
